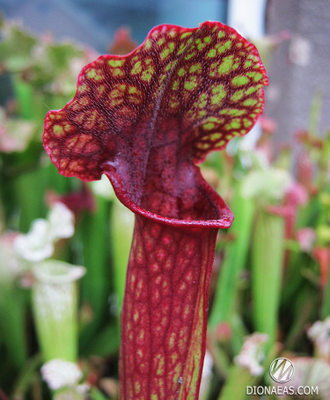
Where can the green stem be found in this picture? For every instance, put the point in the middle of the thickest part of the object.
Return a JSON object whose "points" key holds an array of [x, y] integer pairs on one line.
{"points": [[267, 258], [26, 377]]}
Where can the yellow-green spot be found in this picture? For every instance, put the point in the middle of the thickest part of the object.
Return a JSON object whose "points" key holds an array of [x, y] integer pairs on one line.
{"points": [[116, 63], [223, 47], [160, 41], [148, 44], [147, 74], [207, 39], [226, 65], [220, 144], [118, 91], [182, 48], [133, 89], [251, 90], [181, 72], [134, 100], [191, 83], [58, 130], [219, 93], [203, 97], [174, 102], [246, 122], [93, 75], [154, 396], [172, 33], [235, 112], [174, 357], [189, 56], [221, 34], [175, 85], [235, 124], [172, 340], [212, 119], [209, 126], [137, 68], [239, 45], [240, 80], [213, 68], [237, 95], [215, 136], [212, 53], [201, 46], [184, 35], [67, 127], [196, 68], [202, 146], [136, 316], [115, 93], [257, 77], [168, 50], [117, 72], [141, 335], [82, 88], [169, 66], [137, 387], [252, 57], [160, 369], [201, 113], [247, 64], [202, 102], [83, 101], [250, 102]]}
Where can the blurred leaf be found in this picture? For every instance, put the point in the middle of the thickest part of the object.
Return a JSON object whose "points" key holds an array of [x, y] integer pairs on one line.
{"points": [[15, 47], [105, 343], [234, 259]]}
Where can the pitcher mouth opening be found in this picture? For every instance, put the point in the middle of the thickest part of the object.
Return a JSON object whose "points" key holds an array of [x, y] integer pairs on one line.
{"points": [[211, 211], [58, 272]]}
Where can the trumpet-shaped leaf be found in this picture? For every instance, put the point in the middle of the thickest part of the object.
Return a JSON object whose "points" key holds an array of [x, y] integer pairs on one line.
{"points": [[145, 120]]}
